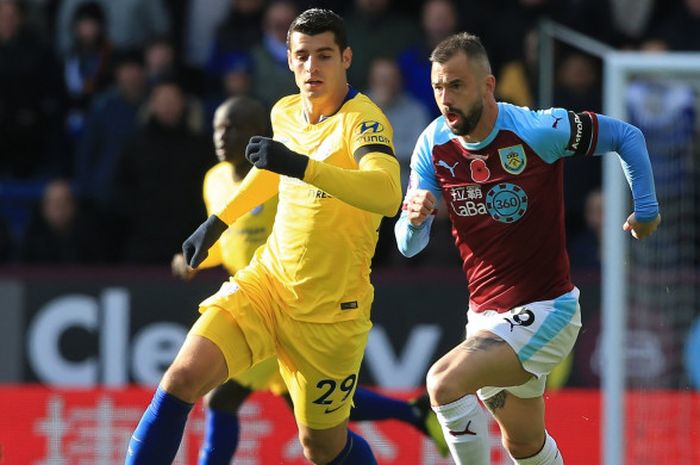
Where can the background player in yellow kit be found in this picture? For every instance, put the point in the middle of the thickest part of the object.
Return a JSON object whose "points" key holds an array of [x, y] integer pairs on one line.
{"points": [[306, 295], [235, 122]]}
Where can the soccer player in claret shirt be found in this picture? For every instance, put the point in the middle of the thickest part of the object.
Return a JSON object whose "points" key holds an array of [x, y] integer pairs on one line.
{"points": [[306, 295], [235, 122], [497, 170]]}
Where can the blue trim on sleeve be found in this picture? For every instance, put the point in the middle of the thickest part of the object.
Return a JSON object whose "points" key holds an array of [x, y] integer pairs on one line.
{"points": [[411, 239]]}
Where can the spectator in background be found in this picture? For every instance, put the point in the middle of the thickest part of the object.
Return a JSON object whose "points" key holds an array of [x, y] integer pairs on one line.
{"points": [[578, 89], [632, 17], [86, 69], [439, 20], [159, 178], [161, 60], [241, 31], [29, 95], [681, 30], [271, 77], [578, 83], [131, 23], [203, 19], [407, 116], [236, 80], [110, 123], [375, 30], [584, 249], [61, 231], [514, 83]]}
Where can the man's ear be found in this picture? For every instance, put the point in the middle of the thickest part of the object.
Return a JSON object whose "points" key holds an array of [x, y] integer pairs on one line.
{"points": [[346, 57], [490, 83]]}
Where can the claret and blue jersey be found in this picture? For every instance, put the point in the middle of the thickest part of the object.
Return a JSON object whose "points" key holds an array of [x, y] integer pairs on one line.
{"points": [[506, 190]]}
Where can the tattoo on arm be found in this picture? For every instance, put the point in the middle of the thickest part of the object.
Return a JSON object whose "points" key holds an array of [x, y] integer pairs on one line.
{"points": [[479, 342], [496, 402]]}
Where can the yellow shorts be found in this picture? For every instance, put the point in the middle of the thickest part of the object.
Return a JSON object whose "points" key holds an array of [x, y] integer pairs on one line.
{"points": [[265, 376], [319, 362]]}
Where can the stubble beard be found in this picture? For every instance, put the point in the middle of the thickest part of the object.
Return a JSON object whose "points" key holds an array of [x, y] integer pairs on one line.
{"points": [[469, 122]]}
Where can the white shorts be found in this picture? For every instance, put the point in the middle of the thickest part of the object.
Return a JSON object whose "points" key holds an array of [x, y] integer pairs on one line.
{"points": [[541, 333]]}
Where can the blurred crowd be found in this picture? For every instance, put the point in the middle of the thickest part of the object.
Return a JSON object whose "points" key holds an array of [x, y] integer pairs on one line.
{"points": [[106, 106]]}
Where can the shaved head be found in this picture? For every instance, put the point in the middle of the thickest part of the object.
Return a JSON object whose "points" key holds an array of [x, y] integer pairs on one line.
{"points": [[465, 43]]}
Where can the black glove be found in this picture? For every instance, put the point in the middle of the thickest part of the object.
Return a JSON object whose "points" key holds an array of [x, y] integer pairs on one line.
{"points": [[196, 247], [268, 154]]}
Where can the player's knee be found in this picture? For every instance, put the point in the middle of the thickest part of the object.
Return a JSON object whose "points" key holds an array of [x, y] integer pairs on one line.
{"points": [[443, 387], [183, 383], [319, 450], [521, 448]]}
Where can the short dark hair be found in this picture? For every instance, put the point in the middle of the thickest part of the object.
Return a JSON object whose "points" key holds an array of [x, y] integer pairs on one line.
{"points": [[247, 111], [316, 21], [469, 44]]}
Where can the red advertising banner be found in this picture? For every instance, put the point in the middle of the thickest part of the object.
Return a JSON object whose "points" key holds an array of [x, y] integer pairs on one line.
{"points": [[40, 426]]}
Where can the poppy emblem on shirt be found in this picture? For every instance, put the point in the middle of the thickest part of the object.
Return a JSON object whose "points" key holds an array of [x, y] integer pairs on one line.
{"points": [[479, 171], [513, 159]]}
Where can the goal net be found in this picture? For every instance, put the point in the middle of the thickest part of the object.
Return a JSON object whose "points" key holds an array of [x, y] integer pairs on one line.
{"points": [[660, 94], [648, 349]]}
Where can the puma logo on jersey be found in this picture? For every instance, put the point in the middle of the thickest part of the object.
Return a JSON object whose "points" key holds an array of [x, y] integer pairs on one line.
{"points": [[444, 164]]}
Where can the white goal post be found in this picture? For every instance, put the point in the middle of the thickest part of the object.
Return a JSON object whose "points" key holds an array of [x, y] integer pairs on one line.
{"points": [[618, 68]]}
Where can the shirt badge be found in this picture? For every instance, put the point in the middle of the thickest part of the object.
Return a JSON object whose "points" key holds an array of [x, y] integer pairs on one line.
{"points": [[513, 159]]}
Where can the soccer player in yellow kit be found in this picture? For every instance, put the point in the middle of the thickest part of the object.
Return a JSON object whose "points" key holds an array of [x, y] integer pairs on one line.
{"points": [[235, 122], [306, 295]]}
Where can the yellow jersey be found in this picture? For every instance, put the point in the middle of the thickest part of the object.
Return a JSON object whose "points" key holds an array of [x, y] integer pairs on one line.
{"points": [[238, 243], [320, 250]]}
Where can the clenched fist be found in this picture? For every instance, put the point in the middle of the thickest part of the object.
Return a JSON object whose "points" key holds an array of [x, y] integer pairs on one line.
{"points": [[641, 229], [419, 205]]}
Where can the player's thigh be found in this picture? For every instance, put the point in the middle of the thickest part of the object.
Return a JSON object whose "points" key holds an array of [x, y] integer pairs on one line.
{"points": [[541, 333], [238, 322], [320, 365], [521, 421], [483, 359]]}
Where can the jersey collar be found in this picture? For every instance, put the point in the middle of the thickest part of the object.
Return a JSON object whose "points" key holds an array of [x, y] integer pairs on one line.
{"points": [[352, 92]]}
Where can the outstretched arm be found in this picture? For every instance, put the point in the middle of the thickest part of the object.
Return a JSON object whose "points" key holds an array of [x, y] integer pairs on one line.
{"points": [[589, 133], [628, 141], [374, 187], [257, 187]]}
